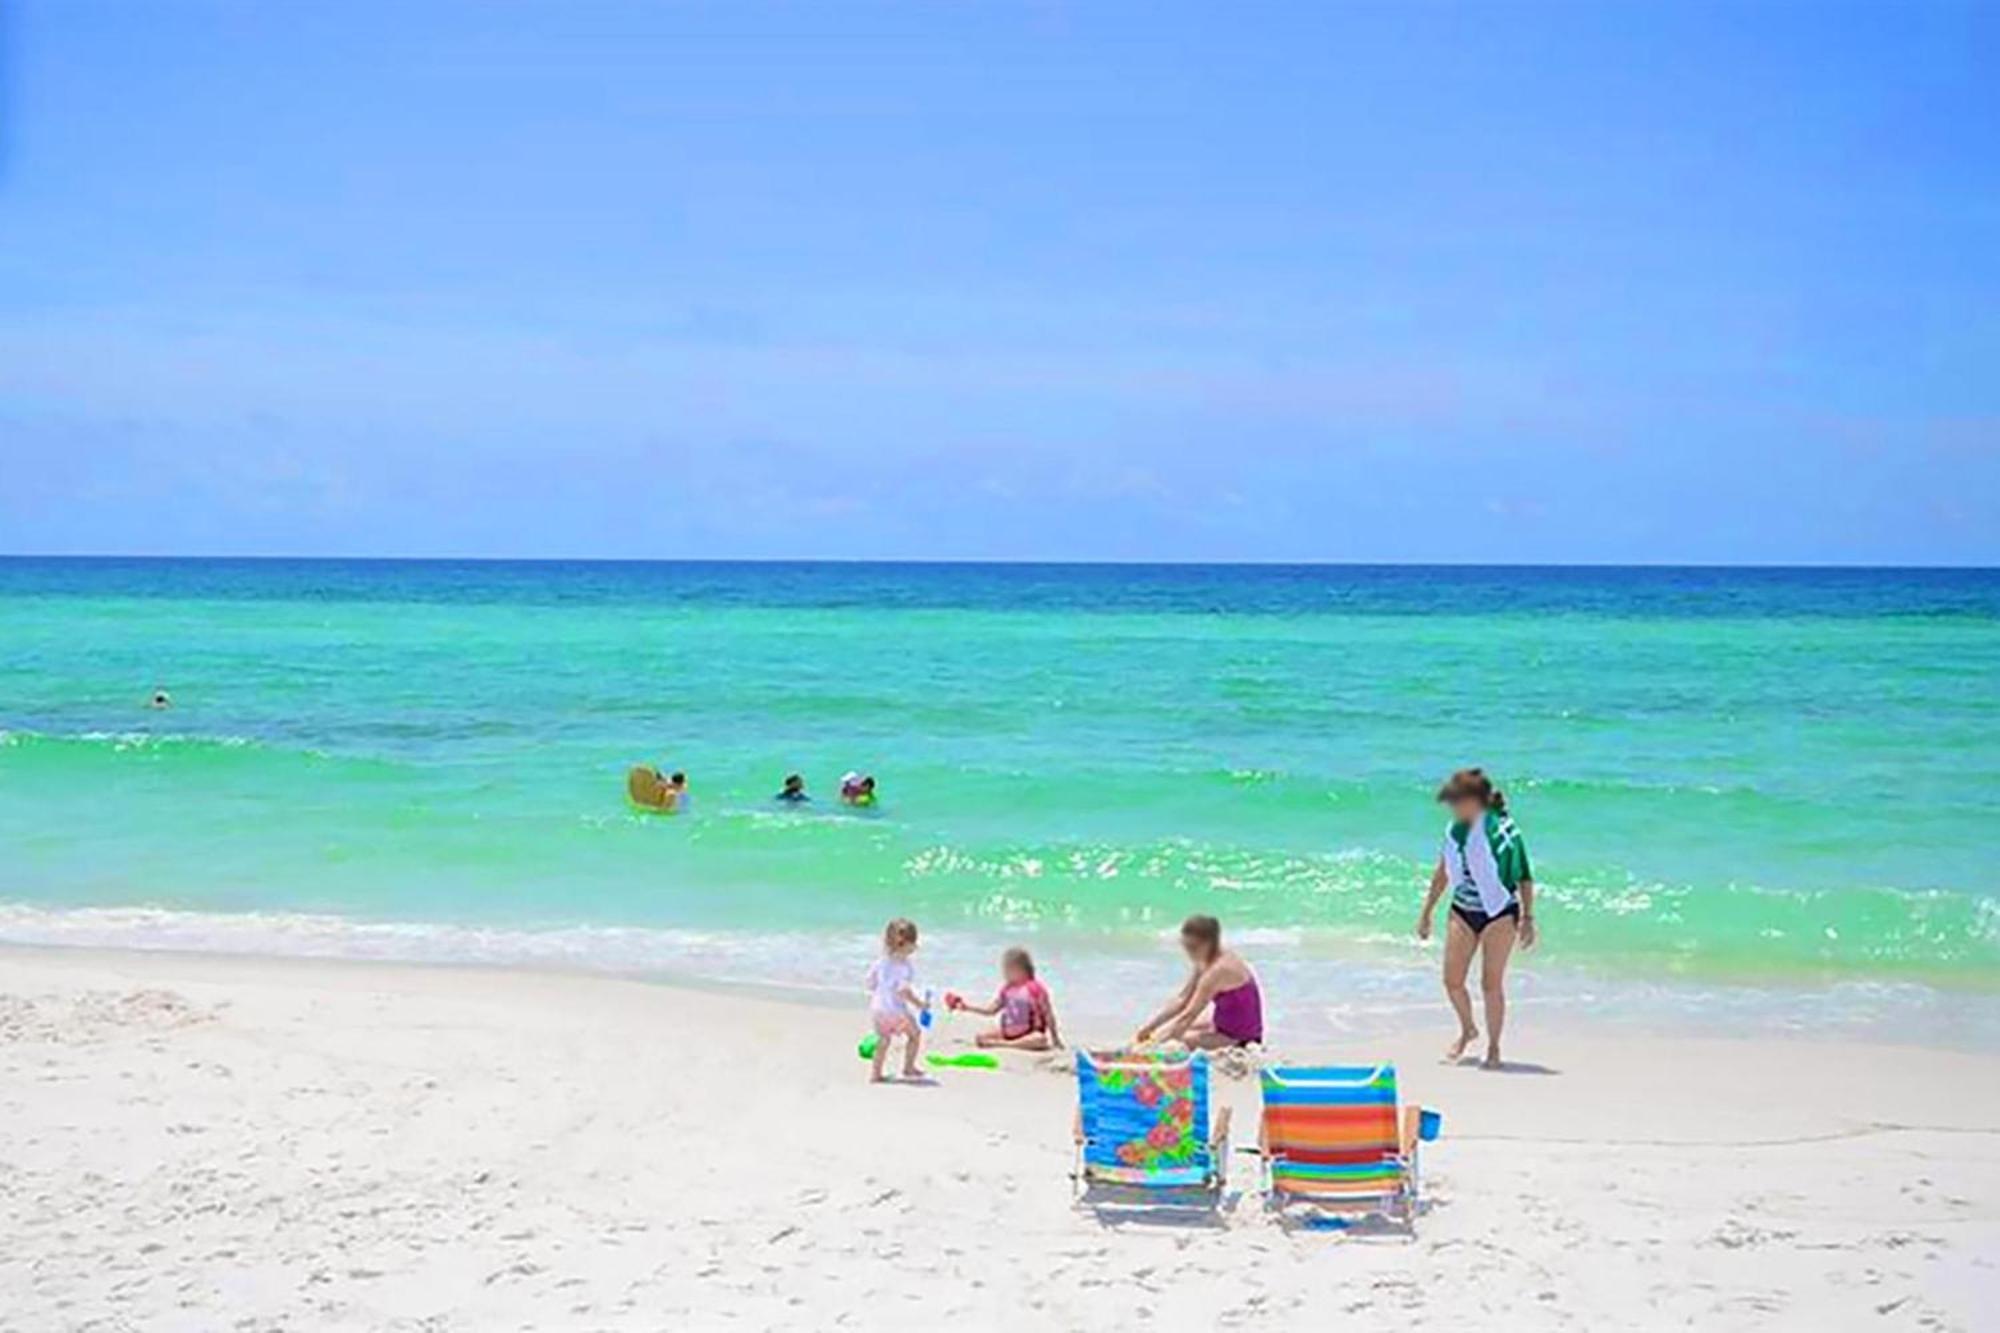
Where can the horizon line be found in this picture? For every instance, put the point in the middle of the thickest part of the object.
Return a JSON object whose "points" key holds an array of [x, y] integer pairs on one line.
{"points": [[1037, 562]]}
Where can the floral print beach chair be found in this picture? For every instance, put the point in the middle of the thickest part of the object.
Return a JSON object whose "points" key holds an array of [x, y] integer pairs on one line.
{"points": [[1144, 1133]]}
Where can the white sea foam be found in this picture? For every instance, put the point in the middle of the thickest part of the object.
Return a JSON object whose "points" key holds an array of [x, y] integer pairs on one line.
{"points": [[1317, 987], [763, 957]]}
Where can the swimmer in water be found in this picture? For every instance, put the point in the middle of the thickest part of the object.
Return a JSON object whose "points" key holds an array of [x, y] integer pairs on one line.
{"points": [[645, 787], [794, 792], [857, 790], [160, 699]]}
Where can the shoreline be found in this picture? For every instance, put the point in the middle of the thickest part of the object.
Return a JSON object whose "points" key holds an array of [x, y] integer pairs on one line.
{"points": [[200, 1139], [1318, 990]]}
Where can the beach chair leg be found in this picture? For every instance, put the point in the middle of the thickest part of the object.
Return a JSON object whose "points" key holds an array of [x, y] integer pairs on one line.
{"points": [[1409, 1207], [1079, 1185], [1218, 1151]]}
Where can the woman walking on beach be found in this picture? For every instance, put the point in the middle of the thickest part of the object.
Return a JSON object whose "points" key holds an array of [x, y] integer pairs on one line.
{"points": [[1484, 863], [1220, 979]]}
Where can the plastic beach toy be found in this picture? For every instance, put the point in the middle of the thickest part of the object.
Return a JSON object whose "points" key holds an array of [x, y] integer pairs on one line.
{"points": [[965, 1060]]}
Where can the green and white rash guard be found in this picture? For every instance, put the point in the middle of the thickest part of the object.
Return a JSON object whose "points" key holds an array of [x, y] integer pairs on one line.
{"points": [[1485, 871]]}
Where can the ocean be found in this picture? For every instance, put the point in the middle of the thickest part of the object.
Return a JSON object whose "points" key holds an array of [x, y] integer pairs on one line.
{"points": [[1756, 799]]}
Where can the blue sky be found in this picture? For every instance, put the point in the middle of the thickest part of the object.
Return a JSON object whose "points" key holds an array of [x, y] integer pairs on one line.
{"points": [[1106, 281]]}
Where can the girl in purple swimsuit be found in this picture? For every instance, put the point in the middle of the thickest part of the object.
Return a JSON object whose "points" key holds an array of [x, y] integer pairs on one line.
{"points": [[1221, 985]]}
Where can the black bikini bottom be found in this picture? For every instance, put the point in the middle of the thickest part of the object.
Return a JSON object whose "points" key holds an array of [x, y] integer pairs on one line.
{"points": [[1479, 921]]}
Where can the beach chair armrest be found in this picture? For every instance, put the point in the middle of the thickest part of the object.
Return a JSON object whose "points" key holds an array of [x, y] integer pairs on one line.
{"points": [[1413, 1122]]}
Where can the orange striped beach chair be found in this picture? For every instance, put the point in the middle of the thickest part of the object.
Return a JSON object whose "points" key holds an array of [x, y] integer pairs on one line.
{"points": [[1332, 1137]]}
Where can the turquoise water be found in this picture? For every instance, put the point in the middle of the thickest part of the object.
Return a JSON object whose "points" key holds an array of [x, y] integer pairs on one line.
{"points": [[1738, 785]]}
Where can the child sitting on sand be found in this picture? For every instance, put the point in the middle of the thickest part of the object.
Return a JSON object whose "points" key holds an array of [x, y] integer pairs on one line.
{"points": [[1027, 1014], [893, 1000]]}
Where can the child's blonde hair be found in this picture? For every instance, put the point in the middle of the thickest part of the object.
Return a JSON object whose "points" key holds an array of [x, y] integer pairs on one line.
{"points": [[900, 933], [1021, 958]]}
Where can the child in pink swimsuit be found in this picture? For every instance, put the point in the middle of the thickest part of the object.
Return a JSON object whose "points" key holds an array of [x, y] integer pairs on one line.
{"points": [[1027, 1015]]}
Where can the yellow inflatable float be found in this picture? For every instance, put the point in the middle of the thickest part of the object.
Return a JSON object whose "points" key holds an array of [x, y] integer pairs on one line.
{"points": [[648, 790]]}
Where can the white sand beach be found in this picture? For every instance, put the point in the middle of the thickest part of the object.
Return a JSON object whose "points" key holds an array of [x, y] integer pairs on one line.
{"points": [[195, 1142]]}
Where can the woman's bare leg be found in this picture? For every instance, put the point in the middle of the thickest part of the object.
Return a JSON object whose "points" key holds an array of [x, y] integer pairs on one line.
{"points": [[1201, 1035], [1496, 945], [1210, 1040], [1460, 943], [1027, 1041]]}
